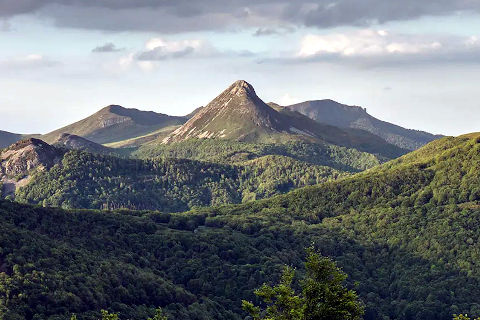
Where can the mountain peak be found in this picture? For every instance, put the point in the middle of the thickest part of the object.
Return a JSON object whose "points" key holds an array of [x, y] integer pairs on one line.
{"points": [[240, 87], [237, 113]]}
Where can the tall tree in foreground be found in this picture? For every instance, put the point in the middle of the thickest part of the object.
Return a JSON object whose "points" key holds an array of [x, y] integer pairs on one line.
{"points": [[323, 295]]}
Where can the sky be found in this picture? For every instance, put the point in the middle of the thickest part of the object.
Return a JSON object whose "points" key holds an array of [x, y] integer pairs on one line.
{"points": [[413, 63]]}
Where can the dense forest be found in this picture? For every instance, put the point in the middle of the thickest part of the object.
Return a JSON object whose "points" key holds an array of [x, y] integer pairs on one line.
{"points": [[84, 180], [405, 232], [229, 151]]}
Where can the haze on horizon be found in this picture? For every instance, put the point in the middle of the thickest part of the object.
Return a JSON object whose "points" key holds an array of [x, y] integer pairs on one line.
{"points": [[414, 63]]}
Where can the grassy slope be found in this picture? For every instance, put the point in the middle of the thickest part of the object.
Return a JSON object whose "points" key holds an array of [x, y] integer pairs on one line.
{"points": [[141, 140]]}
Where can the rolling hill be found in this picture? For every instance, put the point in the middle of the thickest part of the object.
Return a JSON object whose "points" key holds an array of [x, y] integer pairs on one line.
{"points": [[405, 232], [115, 123], [344, 116]]}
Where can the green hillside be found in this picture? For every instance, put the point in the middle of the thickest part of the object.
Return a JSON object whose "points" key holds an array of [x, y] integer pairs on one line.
{"points": [[405, 232], [84, 180], [228, 151]]}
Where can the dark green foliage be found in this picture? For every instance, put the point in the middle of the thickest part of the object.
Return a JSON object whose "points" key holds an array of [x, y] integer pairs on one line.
{"points": [[406, 233], [323, 295], [228, 151], [84, 180]]}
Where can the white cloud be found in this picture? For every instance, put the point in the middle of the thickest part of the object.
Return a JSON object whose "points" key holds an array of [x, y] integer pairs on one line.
{"points": [[365, 43], [287, 99], [472, 41], [27, 62]]}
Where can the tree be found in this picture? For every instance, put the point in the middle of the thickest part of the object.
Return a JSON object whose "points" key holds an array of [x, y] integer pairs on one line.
{"points": [[158, 315], [109, 316], [463, 317], [323, 295]]}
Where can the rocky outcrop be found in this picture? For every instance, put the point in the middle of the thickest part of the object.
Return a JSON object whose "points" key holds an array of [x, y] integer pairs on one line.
{"points": [[21, 159]]}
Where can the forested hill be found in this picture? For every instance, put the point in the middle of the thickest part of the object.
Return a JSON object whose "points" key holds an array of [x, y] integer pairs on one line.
{"points": [[405, 232], [84, 180]]}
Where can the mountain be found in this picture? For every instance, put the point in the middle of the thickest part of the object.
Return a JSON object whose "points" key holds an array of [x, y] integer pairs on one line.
{"points": [[405, 232], [344, 116], [238, 114], [21, 160], [115, 123]]}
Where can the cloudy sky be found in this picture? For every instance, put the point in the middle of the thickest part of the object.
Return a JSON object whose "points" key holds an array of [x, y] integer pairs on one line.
{"points": [[414, 63]]}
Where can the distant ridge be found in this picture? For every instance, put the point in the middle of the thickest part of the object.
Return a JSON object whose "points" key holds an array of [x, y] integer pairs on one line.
{"points": [[73, 142], [116, 123], [345, 116]]}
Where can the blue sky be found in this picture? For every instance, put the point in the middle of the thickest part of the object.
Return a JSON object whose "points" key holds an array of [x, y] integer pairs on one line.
{"points": [[417, 66]]}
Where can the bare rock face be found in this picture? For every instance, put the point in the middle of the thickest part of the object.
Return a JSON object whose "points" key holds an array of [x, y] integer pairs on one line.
{"points": [[21, 159]]}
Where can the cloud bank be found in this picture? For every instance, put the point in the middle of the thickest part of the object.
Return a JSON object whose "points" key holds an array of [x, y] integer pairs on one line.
{"points": [[173, 16]]}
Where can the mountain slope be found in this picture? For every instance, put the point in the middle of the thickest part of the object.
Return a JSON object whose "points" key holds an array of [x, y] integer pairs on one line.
{"points": [[115, 123], [406, 233], [344, 116]]}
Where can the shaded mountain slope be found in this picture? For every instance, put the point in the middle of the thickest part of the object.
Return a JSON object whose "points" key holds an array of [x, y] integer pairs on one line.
{"points": [[8, 138], [115, 123], [344, 116]]}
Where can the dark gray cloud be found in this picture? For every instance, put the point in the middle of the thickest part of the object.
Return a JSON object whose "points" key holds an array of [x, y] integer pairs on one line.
{"points": [[186, 15], [107, 47], [265, 32]]}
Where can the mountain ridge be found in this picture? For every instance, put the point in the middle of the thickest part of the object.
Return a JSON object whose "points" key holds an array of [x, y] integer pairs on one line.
{"points": [[345, 116], [115, 123]]}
